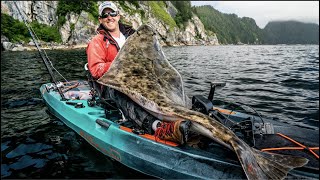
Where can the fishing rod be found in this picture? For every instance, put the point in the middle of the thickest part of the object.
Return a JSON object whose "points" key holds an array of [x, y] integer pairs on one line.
{"points": [[44, 58]]}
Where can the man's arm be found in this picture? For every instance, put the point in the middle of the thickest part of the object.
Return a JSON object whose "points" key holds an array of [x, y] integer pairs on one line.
{"points": [[97, 62]]}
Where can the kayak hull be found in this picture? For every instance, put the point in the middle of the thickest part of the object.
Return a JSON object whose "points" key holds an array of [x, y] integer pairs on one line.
{"points": [[144, 154]]}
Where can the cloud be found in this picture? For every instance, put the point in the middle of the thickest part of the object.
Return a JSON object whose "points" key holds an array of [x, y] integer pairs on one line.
{"points": [[265, 11]]}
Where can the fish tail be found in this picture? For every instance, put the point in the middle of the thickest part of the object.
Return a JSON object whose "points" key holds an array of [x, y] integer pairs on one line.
{"points": [[263, 165]]}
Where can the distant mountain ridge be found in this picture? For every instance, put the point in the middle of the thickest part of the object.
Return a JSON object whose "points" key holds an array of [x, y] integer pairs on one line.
{"points": [[231, 29], [291, 32]]}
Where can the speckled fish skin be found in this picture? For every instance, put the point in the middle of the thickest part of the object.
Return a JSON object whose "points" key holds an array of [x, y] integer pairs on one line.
{"points": [[141, 71]]}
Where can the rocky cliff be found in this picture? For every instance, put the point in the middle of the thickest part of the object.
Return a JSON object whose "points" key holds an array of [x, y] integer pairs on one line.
{"points": [[80, 28]]}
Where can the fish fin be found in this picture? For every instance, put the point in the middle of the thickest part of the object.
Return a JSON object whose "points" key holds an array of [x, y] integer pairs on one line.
{"points": [[286, 160], [262, 165]]}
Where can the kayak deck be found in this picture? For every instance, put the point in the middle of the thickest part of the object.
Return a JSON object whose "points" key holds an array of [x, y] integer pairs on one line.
{"points": [[143, 152]]}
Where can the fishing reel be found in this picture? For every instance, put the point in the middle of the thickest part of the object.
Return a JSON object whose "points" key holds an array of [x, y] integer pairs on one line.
{"points": [[244, 130], [54, 87], [92, 101], [60, 85]]}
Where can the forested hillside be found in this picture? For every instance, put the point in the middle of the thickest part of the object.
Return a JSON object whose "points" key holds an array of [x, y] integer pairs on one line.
{"points": [[229, 27], [291, 32], [184, 12]]}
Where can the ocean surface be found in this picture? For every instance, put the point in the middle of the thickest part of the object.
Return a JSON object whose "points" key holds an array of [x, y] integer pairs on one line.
{"points": [[280, 82]]}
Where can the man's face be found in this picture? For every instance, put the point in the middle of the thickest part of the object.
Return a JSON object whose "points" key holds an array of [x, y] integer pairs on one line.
{"points": [[111, 23]]}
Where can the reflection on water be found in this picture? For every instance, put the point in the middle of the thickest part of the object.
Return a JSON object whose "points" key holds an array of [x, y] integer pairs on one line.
{"points": [[278, 81]]}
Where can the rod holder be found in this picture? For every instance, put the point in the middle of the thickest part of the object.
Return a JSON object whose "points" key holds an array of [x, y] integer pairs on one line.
{"points": [[213, 86]]}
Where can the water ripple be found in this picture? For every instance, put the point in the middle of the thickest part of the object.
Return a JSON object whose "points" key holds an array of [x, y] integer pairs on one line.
{"points": [[286, 77]]}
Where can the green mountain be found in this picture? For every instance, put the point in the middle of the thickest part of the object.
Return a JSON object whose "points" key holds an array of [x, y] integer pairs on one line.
{"points": [[230, 28], [291, 32]]}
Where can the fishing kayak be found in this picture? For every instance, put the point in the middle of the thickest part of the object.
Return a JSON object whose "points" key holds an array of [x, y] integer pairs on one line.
{"points": [[106, 130]]}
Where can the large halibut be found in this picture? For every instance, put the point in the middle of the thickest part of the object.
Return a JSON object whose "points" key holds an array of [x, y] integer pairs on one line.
{"points": [[141, 71]]}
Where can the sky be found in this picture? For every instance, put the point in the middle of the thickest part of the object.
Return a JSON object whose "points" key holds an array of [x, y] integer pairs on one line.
{"points": [[265, 11]]}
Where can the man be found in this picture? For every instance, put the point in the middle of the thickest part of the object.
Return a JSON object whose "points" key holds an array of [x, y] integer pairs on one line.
{"points": [[111, 35], [101, 51]]}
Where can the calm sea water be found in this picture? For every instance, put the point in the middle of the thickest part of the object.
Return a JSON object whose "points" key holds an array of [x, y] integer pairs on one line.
{"points": [[277, 81]]}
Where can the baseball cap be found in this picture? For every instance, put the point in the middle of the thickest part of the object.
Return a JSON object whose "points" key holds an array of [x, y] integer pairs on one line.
{"points": [[107, 4]]}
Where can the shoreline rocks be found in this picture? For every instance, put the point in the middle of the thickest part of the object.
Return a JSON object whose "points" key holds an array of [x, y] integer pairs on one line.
{"points": [[8, 46]]}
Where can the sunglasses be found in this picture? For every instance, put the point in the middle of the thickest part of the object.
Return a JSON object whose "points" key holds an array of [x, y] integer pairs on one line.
{"points": [[112, 14]]}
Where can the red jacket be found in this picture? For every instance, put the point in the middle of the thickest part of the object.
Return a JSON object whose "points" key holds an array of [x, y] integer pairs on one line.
{"points": [[102, 50]]}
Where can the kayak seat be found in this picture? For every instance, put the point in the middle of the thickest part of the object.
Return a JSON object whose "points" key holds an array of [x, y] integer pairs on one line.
{"points": [[92, 82], [98, 92]]}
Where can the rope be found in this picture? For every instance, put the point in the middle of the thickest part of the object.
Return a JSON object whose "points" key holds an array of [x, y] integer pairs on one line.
{"points": [[70, 87], [302, 147]]}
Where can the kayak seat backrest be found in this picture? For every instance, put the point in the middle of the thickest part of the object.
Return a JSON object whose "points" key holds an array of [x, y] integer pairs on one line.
{"points": [[102, 92], [93, 83]]}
